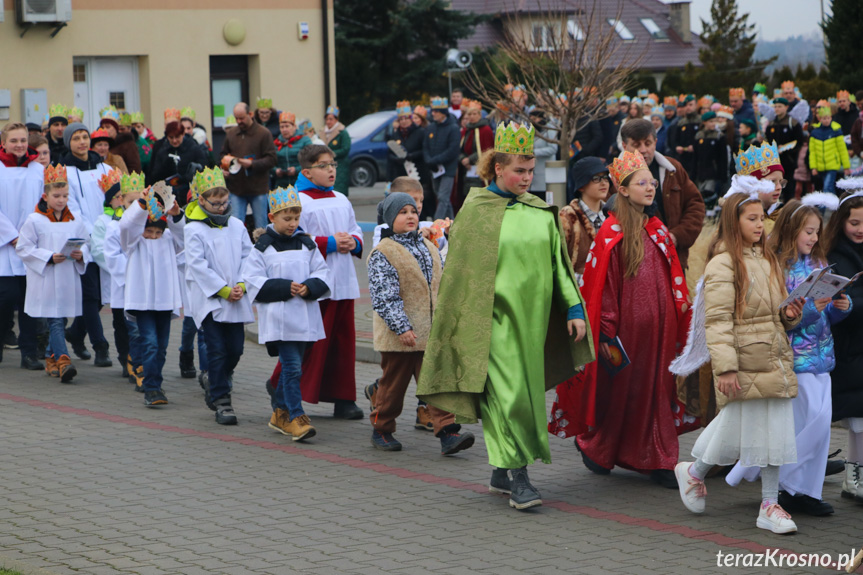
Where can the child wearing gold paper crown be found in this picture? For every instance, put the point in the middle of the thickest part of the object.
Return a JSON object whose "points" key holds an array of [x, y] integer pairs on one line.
{"points": [[151, 235], [286, 275], [53, 278], [493, 351]]}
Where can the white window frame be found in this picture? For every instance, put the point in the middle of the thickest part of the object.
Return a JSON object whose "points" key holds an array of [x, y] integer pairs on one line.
{"points": [[621, 30], [656, 33]]}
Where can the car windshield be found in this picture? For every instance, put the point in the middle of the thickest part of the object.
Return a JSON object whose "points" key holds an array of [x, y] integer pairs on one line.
{"points": [[364, 126]]}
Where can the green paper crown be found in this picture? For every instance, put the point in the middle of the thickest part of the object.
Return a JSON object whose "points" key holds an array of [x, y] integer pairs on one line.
{"points": [[230, 121], [187, 112], [137, 117], [57, 111], [133, 182], [264, 103], [75, 112], [514, 139], [209, 179], [125, 119]]}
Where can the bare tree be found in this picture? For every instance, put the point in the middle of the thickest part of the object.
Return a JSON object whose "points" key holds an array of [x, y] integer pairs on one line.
{"points": [[567, 60]]}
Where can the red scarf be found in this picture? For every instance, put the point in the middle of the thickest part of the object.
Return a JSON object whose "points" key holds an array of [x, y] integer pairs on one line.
{"points": [[581, 391], [290, 143]]}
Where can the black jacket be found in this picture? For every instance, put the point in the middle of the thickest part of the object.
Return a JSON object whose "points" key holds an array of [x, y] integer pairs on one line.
{"points": [[93, 161], [183, 161], [441, 145], [847, 383], [58, 150], [846, 119], [588, 138]]}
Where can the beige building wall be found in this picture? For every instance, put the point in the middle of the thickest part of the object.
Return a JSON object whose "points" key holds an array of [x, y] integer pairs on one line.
{"points": [[173, 40]]}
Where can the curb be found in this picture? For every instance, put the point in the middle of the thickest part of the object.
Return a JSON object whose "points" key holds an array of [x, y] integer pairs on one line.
{"points": [[365, 352]]}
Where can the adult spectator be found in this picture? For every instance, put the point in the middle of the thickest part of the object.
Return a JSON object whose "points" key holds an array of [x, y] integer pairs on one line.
{"points": [[441, 150], [587, 141], [288, 146], [251, 146], [657, 117], [743, 109], [267, 116], [477, 138], [178, 161], [797, 107], [192, 128], [787, 132], [414, 147], [339, 141], [400, 132], [857, 131], [544, 150], [846, 111], [684, 135], [123, 145], [57, 123], [101, 143], [679, 205], [609, 127], [455, 101]]}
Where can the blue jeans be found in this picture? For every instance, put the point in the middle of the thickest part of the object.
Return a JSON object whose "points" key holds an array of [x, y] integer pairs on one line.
{"points": [[288, 394], [89, 322], [154, 328], [259, 208], [56, 338], [829, 178], [187, 339], [134, 341], [224, 348]]}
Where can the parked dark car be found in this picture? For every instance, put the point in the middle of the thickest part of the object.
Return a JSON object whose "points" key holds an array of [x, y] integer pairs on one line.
{"points": [[368, 157]]}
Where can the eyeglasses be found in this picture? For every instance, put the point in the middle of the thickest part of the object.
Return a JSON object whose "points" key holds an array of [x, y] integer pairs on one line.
{"points": [[332, 165], [644, 183], [782, 183], [219, 205], [600, 178]]}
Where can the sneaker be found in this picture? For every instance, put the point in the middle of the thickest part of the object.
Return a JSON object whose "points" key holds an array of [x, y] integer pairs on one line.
{"points": [[32, 363], [775, 519], [385, 441], [452, 443], [299, 428], [500, 482], [347, 410], [11, 340], [154, 397], [692, 491], [370, 391], [187, 365], [424, 419], [804, 504], [78, 347], [51, 368], [523, 495], [66, 369], [224, 412]]}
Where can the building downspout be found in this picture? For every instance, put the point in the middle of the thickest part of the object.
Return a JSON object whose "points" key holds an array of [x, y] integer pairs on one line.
{"points": [[325, 19]]}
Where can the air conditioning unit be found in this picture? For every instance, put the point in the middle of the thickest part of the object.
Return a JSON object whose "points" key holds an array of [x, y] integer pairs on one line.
{"points": [[43, 11]]}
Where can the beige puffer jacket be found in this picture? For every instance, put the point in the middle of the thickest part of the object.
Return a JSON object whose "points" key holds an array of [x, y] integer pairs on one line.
{"points": [[755, 345]]}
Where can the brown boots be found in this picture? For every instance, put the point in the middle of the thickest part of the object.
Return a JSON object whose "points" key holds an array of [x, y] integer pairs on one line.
{"points": [[65, 369], [298, 428]]}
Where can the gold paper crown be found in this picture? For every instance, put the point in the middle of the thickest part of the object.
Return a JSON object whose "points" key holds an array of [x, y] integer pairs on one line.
{"points": [[787, 85], [75, 112], [839, 95], [57, 111], [193, 191], [188, 112], [130, 183], [284, 198], [757, 159], [288, 117], [109, 180], [403, 108], [137, 117], [264, 103], [628, 163], [56, 175], [514, 139], [736, 93], [208, 179], [172, 115]]}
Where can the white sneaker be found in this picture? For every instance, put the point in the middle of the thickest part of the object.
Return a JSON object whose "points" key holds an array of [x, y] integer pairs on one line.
{"points": [[692, 491], [775, 519]]}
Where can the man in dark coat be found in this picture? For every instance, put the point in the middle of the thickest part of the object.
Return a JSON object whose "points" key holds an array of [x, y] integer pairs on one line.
{"points": [[178, 159], [440, 151], [743, 109], [846, 113]]}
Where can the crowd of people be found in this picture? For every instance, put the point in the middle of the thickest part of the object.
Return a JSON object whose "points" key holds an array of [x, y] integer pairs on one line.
{"points": [[490, 302]]}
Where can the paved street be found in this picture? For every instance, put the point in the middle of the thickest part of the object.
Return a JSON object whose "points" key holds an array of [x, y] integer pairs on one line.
{"points": [[96, 483]]}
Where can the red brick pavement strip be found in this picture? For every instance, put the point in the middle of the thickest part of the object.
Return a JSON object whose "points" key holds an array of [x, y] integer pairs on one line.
{"points": [[591, 512]]}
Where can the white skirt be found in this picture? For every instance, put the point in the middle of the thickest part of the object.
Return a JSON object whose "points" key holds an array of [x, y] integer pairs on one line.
{"points": [[854, 424], [757, 432]]}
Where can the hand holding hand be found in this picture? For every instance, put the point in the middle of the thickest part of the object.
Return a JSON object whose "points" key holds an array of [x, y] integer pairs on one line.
{"points": [[298, 289], [408, 338], [236, 293]]}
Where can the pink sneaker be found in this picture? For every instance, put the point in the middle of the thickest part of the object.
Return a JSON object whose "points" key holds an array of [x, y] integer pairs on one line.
{"points": [[692, 491], [775, 519]]}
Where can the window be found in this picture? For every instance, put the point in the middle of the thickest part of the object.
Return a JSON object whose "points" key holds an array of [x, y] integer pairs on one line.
{"points": [[653, 28], [79, 73], [621, 30], [117, 99], [574, 31], [545, 37]]}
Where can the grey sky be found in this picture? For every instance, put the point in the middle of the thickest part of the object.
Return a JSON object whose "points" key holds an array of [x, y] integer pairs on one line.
{"points": [[777, 19]]}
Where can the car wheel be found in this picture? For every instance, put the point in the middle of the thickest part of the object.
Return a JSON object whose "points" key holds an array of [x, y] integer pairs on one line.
{"points": [[363, 174]]}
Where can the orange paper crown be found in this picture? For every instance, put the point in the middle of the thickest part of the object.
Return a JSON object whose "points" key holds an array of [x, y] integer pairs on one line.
{"points": [[172, 115], [736, 93], [628, 163], [288, 117], [787, 85], [471, 105], [56, 175], [843, 94], [109, 180], [670, 101]]}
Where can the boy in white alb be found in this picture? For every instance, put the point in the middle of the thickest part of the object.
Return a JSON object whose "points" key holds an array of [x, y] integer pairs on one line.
{"points": [[328, 216], [286, 276], [152, 290], [21, 187], [53, 282], [217, 245]]}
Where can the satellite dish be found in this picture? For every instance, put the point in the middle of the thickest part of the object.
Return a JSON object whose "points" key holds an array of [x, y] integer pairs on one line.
{"points": [[461, 59]]}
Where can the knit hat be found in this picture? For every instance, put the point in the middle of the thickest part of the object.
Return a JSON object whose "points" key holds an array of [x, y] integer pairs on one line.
{"points": [[71, 129], [392, 205]]}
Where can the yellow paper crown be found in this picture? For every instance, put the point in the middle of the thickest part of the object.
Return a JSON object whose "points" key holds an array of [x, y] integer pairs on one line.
{"points": [[125, 119], [57, 111], [109, 180], [56, 175], [264, 103], [208, 179], [514, 139], [628, 163], [75, 112], [188, 112], [133, 182], [137, 117], [284, 198]]}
